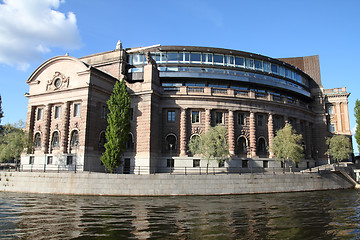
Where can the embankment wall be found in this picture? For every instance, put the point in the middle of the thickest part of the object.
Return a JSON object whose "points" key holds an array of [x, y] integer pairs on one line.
{"points": [[86, 183]]}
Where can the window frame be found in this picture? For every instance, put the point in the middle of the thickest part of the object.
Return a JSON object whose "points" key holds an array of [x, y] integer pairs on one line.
{"points": [[172, 117], [217, 119], [57, 112], [195, 118], [77, 109]]}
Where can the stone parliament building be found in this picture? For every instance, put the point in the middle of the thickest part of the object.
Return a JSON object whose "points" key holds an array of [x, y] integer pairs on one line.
{"points": [[178, 92]]}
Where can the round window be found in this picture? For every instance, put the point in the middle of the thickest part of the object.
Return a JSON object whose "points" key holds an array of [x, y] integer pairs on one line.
{"points": [[57, 82]]}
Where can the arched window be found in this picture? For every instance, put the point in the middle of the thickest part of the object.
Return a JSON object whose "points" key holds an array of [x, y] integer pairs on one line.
{"points": [[74, 140], [170, 142], [130, 143], [261, 147], [37, 140], [241, 142], [55, 141]]}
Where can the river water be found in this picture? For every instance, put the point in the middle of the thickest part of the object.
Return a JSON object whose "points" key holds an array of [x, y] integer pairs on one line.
{"points": [[304, 215]]}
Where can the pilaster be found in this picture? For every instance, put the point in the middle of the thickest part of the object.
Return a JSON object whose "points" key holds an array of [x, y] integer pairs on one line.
{"points": [[271, 134], [231, 132], [252, 135], [207, 119], [47, 120], [65, 128], [183, 132]]}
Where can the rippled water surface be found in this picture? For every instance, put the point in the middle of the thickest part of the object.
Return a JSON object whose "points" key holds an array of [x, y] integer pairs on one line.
{"points": [[308, 215]]}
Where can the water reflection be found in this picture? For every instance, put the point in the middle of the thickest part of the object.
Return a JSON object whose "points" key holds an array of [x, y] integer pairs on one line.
{"points": [[309, 215]]}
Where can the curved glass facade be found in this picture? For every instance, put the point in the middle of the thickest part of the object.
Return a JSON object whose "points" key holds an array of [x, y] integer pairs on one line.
{"points": [[208, 65]]}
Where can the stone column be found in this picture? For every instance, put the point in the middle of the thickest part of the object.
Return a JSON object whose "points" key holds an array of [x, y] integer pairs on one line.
{"points": [[231, 132], [207, 119], [338, 117], [47, 121], [183, 132], [252, 135], [346, 115], [65, 128], [271, 134]]}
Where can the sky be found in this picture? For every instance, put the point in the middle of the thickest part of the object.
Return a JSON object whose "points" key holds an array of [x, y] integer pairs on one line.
{"points": [[32, 31]]}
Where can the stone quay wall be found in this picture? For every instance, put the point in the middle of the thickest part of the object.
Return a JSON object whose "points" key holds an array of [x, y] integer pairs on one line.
{"points": [[86, 183]]}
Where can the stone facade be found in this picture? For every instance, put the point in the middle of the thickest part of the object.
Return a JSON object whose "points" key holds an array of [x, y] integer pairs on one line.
{"points": [[176, 93]]}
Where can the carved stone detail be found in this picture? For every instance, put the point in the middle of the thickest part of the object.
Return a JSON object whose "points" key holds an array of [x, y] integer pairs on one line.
{"points": [[58, 81]]}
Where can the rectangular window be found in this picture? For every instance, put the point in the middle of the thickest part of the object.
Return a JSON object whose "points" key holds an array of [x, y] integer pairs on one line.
{"points": [[49, 160], [170, 162], [138, 59], [249, 63], [244, 163], [195, 57], [218, 59], [332, 128], [239, 61], [282, 71], [195, 117], [219, 117], [196, 162], [69, 160], [171, 116], [40, 114], [241, 119], [331, 110], [57, 113], [104, 112], [31, 160], [274, 69], [266, 67], [260, 120], [288, 73], [229, 60], [265, 164], [162, 57], [184, 57], [207, 58], [258, 65], [77, 108], [172, 57]]}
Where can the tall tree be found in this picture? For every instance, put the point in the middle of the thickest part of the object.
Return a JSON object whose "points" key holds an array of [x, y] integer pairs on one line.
{"points": [[211, 145], [286, 145], [339, 147], [1, 112], [13, 141], [118, 129], [357, 117]]}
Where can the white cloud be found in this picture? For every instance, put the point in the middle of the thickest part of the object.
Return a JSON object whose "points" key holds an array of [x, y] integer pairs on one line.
{"points": [[28, 29]]}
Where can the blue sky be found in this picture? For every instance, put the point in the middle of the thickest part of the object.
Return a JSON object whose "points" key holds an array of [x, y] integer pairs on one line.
{"points": [[33, 31]]}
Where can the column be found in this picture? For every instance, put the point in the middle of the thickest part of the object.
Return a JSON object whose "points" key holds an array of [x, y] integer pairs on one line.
{"points": [[46, 134], [338, 117], [231, 132], [271, 134], [65, 128], [252, 135], [183, 132], [207, 119], [346, 112]]}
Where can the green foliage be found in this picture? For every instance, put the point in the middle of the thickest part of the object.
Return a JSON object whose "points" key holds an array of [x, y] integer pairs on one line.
{"points": [[1, 112], [339, 147], [211, 145], [117, 132], [287, 145], [13, 141], [357, 117]]}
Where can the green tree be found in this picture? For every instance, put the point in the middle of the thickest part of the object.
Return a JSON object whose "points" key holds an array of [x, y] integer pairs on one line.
{"points": [[13, 141], [1, 112], [357, 117], [211, 145], [117, 132], [286, 145], [339, 147]]}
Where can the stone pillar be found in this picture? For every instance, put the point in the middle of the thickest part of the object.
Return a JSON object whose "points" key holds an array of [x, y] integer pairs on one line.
{"points": [[346, 113], [65, 128], [47, 121], [338, 117], [207, 119], [252, 135], [183, 132], [271, 134], [231, 132]]}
